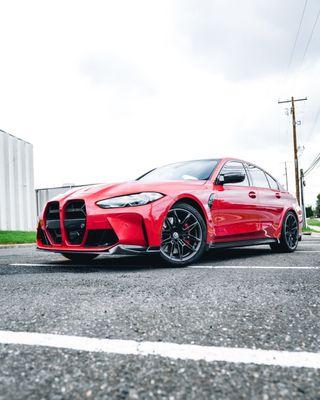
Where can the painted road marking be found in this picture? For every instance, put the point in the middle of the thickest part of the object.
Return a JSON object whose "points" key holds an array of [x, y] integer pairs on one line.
{"points": [[191, 266], [246, 267], [308, 251], [54, 265], [171, 350]]}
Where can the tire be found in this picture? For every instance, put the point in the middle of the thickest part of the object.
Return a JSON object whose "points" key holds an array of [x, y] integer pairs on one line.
{"points": [[77, 257], [289, 235], [183, 237]]}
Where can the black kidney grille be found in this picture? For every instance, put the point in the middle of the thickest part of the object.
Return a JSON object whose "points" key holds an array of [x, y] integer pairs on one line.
{"points": [[52, 221], [75, 221]]}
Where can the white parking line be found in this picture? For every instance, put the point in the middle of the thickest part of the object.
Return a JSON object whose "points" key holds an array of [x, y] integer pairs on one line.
{"points": [[53, 265], [246, 267], [308, 251], [191, 266], [163, 349]]}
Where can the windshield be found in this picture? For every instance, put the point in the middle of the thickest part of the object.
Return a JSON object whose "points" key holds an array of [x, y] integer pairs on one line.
{"points": [[188, 170]]}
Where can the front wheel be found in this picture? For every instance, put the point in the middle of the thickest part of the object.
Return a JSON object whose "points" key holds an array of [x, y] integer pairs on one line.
{"points": [[289, 235], [183, 239], [78, 257]]}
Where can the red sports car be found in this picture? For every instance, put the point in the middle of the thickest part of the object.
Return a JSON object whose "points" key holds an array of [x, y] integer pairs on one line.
{"points": [[179, 211]]}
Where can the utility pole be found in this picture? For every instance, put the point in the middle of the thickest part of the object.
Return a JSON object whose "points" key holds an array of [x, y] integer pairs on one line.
{"points": [[295, 144], [286, 174], [302, 183]]}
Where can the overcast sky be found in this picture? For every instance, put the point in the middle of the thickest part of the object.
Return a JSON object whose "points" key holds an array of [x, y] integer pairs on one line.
{"points": [[106, 90]]}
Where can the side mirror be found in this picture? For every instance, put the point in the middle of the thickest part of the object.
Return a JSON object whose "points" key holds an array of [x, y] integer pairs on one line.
{"points": [[230, 177]]}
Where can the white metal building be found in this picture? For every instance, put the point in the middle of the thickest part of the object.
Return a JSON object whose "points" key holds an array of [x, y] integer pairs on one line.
{"points": [[46, 194], [17, 195]]}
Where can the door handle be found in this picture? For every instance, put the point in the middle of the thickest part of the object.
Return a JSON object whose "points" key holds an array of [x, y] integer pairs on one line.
{"points": [[278, 195], [252, 195]]}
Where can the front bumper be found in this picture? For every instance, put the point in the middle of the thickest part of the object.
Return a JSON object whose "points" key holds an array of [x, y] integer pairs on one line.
{"points": [[135, 230]]}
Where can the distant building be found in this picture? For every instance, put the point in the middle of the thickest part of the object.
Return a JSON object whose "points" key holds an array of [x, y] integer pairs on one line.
{"points": [[46, 194], [17, 195]]}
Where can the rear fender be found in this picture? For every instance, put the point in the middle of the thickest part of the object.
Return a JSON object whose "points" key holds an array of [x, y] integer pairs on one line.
{"points": [[298, 212]]}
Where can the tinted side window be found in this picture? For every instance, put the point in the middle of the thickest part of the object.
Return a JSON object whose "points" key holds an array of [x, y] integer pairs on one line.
{"points": [[259, 178], [235, 167], [273, 184]]}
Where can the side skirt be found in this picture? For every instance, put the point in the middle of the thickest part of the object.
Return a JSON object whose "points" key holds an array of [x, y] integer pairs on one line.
{"points": [[241, 243]]}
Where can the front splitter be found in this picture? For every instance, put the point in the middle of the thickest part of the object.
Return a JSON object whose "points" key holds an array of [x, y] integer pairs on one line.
{"points": [[119, 249]]}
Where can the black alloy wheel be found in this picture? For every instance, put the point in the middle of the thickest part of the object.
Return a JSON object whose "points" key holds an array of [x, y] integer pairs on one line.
{"points": [[289, 236], [183, 236]]}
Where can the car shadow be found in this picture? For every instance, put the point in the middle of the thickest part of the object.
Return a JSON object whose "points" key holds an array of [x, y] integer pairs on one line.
{"points": [[131, 264]]}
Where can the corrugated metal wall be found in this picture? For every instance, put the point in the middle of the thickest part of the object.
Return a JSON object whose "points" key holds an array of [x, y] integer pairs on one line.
{"points": [[17, 195], [45, 195]]}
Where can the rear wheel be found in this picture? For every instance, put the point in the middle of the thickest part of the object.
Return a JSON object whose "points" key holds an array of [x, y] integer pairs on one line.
{"points": [[289, 235], [76, 257], [183, 238]]}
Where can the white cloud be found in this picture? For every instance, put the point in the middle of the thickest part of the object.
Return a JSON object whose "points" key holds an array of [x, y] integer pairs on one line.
{"points": [[108, 89]]}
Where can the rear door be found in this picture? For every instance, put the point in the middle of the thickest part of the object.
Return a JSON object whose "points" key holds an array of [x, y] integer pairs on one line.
{"points": [[235, 209], [270, 202]]}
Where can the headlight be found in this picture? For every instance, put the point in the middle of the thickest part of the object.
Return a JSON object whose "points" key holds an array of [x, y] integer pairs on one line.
{"points": [[137, 199]]}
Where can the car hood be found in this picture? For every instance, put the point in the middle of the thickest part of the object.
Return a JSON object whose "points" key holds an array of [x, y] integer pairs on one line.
{"points": [[103, 191]]}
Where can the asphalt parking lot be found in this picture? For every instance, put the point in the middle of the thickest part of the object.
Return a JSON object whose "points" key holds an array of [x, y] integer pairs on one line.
{"points": [[231, 301]]}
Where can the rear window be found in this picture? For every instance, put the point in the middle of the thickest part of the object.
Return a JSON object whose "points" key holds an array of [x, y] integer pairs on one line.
{"points": [[272, 182]]}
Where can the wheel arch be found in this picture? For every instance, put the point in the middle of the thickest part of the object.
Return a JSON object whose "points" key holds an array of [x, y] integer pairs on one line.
{"points": [[285, 212], [203, 245], [194, 203]]}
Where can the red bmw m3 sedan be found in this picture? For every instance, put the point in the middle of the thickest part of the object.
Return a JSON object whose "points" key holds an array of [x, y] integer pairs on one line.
{"points": [[179, 211]]}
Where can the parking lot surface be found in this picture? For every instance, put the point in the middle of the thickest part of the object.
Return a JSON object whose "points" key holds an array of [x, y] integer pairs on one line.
{"points": [[231, 301]]}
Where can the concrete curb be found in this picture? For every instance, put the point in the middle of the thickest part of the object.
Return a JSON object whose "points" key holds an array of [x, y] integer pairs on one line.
{"points": [[13, 245], [312, 234]]}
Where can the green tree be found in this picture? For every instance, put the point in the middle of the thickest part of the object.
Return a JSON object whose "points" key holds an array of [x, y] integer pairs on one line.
{"points": [[309, 212], [317, 210]]}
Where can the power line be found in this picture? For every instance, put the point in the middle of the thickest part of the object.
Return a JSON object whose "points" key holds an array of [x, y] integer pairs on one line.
{"points": [[312, 165], [301, 66], [297, 35], [310, 37], [313, 127], [312, 168], [285, 77], [307, 45]]}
